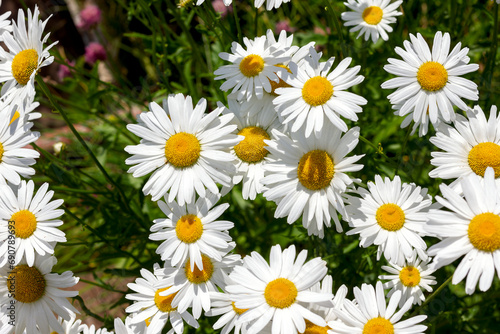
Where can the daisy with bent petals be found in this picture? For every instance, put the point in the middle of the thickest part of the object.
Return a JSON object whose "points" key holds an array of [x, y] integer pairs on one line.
{"points": [[371, 17], [275, 292], [32, 217], [391, 215], [38, 295], [470, 147], [187, 149], [191, 230], [25, 57], [372, 315], [471, 227], [429, 83], [307, 176], [315, 93]]}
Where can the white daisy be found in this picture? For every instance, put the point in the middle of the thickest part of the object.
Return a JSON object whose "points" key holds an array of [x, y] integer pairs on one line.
{"points": [[307, 176], [270, 4], [192, 288], [469, 147], [409, 278], [71, 326], [32, 218], [129, 327], [252, 69], [315, 93], [371, 17], [5, 25], [15, 158], [372, 315], [25, 57], [276, 291], [223, 306], [429, 83], [92, 330], [20, 111], [471, 227], [392, 216], [191, 230], [187, 149], [150, 306], [38, 295]]}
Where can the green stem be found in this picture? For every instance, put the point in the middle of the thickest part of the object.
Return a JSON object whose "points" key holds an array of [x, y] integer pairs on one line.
{"points": [[493, 52], [237, 23], [432, 296], [336, 23], [400, 160], [86, 309]]}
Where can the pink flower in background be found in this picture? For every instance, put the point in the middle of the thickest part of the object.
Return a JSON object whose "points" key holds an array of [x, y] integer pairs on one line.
{"points": [[94, 52], [221, 8], [89, 17], [284, 25], [63, 71]]}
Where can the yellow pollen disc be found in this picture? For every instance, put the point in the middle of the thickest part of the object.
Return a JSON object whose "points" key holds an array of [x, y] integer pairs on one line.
{"points": [[280, 293], [1, 152], [182, 149], [390, 217], [54, 333], [409, 276], [378, 326], [485, 155], [252, 148], [25, 223], [23, 65], [317, 91], [16, 116], [432, 76], [164, 303], [484, 232], [315, 329], [198, 276], [251, 65], [280, 84], [316, 170], [189, 228], [29, 284], [372, 15], [239, 311]]}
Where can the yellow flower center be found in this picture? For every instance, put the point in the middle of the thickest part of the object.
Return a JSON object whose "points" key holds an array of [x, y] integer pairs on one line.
{"points": [[317, 91], [24, 223], [16, 116], [373, 15], [164, 303], [484, 232], [252, 148], [280, 293], [315, 329], [378, 326], [23, 65], [316, 170], [485, 155], [390, 217], [280, 84], [189, 228], [239, 311], [182, 149], [198, 276], [409, 276], [251, 65], [1, 152], [432, 76], [28, 284]]}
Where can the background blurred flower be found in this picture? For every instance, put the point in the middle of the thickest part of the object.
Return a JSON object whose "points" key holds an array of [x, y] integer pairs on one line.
{"points": [[89, 17], [94, 52]]}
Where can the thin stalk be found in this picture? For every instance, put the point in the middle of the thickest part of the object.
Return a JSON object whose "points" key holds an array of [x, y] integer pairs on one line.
{"points": [[432, 296], [493, 52], [336, 23], [237, 23], [86, 309], [405, 142], [256, 22]]}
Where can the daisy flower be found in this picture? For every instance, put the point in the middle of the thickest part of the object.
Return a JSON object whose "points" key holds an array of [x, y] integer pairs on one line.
{"points": [[371, 17], [192, 288], [471, 227], [71, 326], [277, 290], [410, 278], [315, 93], [26, 55], [32, 217], [251, 151], [15, 159], [270, 4], [187, 149], [307, 176], [371, 315], [469, 147], [20, 111], [128, 327], [429, 83], [92, 330], [38, 295], [392, 216], [150, 306], [191, 230], [251, 69], [5, 25]]}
